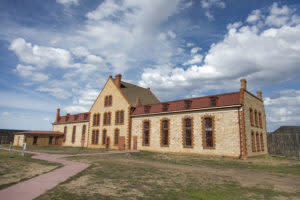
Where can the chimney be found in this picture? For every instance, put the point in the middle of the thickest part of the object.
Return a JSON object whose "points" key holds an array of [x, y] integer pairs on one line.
{"points": [[110, 76], [243, 84], [118, 78], [149, 91], [57, 114], [138, 102], [259, 94]]}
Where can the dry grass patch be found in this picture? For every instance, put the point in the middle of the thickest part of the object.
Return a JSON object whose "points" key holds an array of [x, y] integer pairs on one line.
{"points": [[147, 175], [15, 168]]}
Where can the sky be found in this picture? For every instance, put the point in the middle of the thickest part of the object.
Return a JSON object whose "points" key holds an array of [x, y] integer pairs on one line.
{"points": [[59, 53]]}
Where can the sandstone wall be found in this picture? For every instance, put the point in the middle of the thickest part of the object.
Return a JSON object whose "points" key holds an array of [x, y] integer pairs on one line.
{"points": [[253, 102], [118, 103], [227, 139], [78, 136]]}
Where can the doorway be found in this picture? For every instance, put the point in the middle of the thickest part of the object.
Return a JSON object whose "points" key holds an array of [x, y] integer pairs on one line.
{"points": [[107, 142]]}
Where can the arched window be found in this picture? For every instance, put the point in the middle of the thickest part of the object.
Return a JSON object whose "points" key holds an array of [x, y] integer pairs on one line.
{"points": [[106, 101], [164, 133], [257, 142], [187, 132], [260, 120], [208, 132], [253, 142], [251, 116], [255, 117], [146, 133], [93, 136], [74, 134], [104, 136], [108, 118], [65, 133], [262, 142], [117, 132]]}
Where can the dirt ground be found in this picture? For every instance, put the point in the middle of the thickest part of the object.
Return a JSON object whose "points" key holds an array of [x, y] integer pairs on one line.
{"points": [[164, 176]]}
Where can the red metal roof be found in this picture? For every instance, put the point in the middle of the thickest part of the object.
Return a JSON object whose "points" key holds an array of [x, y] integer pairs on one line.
{"points": [[73, 118], [222, 100], [40, 133]]}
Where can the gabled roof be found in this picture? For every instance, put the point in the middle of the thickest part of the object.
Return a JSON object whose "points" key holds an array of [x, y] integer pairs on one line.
{"points": [[287, 130], [40, 133], [80, 117], [222, 100], [131, 92]]}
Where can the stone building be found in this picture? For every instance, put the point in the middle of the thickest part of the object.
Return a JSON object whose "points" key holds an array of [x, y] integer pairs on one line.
{"points": [[126, 116]]}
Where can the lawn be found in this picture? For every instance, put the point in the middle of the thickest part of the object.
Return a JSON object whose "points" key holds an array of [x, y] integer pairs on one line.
{"points": [[146, 175], [15, 168], [59, 149]]}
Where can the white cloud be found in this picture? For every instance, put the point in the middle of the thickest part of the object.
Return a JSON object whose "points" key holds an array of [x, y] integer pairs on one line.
{"points": [[68, 2], [93, 59], [207, 4], [195, 50], [190, 44], [283, 109], [262, 55], [29, 73], [56, 92], [279, 16], [75, 109], [172, 34], [40, 55], [254, 16], [80, 51], [197, 58]]}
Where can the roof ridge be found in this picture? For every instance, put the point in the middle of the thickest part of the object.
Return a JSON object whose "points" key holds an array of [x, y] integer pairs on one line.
{"points": [[134, 85]]}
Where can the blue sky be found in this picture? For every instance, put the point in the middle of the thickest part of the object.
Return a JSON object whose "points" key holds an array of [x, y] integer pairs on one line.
{"points": [[60, 53]]}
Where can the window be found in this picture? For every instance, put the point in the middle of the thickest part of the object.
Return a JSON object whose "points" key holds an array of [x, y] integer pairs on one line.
{"points": [[119, 118], [65, 133], [213, 101], [187, 104], [255, 118], [165, 107], [187, 132], [146, 133], [117, 136], [164, 133], [257, 142], [98, 119], [97, 137], [208, 132], [50, 139], [251, 116], [260, 120], [106, 118], [147, 108], [94, 119], [108, 100], [35, 138], [93, 136], [104, 136], [73, 134], [253, 142], [83, 132], [262, 142]]}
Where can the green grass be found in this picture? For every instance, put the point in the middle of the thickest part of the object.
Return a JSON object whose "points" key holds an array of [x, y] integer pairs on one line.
{"points": [[147, 175], [15, 168], [60, 149]]}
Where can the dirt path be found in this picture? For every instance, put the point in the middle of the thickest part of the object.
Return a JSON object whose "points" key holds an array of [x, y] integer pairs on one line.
{"points": [[35, 187]]}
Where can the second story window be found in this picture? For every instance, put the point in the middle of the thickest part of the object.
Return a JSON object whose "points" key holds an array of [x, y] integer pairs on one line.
{"points": [[119, 117], [255, 118], [260, 120], [146, 133], [251, 116], [213, 101], [106, 118]]}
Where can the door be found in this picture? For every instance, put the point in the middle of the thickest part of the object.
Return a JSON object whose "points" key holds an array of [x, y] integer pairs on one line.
{"points": [[134, 142], [107, 142], [56, 140]]}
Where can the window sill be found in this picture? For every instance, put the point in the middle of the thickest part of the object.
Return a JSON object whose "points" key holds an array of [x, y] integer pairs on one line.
{"points": [[188, 146], [212, 148]]}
